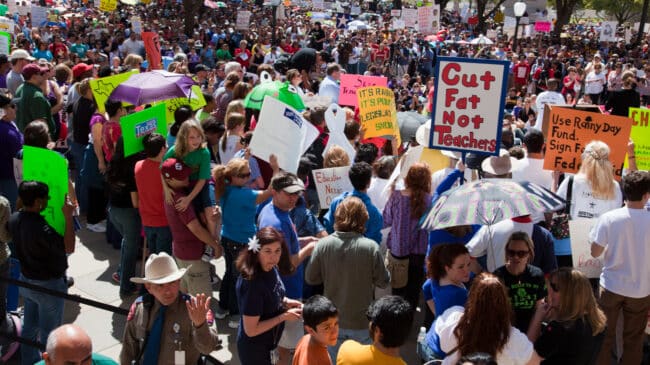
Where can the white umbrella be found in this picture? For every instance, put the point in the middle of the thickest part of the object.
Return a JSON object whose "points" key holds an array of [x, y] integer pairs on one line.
{"points": [[358, 25], [481, 40]]}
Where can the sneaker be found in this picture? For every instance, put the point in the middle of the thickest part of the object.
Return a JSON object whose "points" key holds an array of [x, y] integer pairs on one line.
{"points": [[97, 227], [233, 322], [221, 313], [116, 277]]}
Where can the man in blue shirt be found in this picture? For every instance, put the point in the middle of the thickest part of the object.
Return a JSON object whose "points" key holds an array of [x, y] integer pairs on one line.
{"points": [[287, 188], [360, 175]]}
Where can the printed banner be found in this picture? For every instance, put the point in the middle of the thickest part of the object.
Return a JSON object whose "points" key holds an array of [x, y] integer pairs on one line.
{"points": [[410, 17], [543, 26], [570, 130], [5, 43], [196, 101], [50, 168], [425, 20], [350, 83], [467, 113], [331, 183], [243, 19], [282, 131], [137, 125], [608, 31], [152, 48], [640, 134], [102, 88], [581, 248], [377, 112]]}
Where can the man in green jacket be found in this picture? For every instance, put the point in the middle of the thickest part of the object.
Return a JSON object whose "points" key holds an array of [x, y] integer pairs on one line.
{"points": [[32, 104]]}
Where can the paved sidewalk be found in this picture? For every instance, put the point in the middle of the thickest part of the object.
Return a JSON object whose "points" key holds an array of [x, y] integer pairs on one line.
{"points": [[92, 264]]}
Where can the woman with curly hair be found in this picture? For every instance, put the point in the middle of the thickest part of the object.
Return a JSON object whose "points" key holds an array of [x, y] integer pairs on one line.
{"points": [[484, 325], [406, 240]]}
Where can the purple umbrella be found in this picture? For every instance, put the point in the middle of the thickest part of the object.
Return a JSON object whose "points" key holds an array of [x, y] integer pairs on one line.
{"points": [[157, 85]]}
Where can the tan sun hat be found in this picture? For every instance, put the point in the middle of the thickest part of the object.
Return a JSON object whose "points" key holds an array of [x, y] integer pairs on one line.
{"points": [[160, 269], [500, 165]]}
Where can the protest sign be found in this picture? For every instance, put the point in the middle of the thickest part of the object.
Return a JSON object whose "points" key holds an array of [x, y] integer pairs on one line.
{"points": [[282, 131], [398, 24], [570, 130], [581, 248], [331, 183], [435, 24], [377, 112], [410, 17], [50, 168], [196, 101], [542, 26], [152, 48], [318, 5], [355, 10], [335, 121], [467, 108], [39, 15], [640, 134], [350, 83], [425, 20], [13, 8], [7, 25], [5, 43], [396, 13], [243, 19], [608, 31], [107, 5], [102, 88], [137, 125], [136, 24]]}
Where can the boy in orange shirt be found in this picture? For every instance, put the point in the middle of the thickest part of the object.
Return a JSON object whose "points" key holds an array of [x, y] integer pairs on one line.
{"points": [[322, 325]]}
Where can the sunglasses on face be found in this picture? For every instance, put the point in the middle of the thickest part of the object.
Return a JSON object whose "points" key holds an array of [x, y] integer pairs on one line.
{"points": [[244, 176], [520, 254]]}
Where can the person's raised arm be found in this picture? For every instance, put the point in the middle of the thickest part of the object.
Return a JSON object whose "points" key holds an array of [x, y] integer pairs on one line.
{"points": [[266, 194]]}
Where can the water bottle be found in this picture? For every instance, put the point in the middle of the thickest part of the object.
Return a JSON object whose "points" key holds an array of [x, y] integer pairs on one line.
{"points": [[422, 334]]}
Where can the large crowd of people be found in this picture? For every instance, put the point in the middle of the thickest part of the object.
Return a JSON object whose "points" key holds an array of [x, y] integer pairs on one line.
{"points": [[302, 284]]}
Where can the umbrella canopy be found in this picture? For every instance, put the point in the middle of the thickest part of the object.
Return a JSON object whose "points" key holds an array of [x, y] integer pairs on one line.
{"points": [[432, 38], [148, 87], [408, 123], [489, 201], [266, 86], [482, 40], [461, 42]]}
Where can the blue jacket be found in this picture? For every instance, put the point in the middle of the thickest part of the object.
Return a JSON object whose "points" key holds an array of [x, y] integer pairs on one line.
{"points": [[375, 220]]}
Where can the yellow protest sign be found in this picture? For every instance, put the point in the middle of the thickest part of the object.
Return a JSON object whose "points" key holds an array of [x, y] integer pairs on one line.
{"points": [[640, 134], [377, 112], [102, 88], [107, 5], [196, 101], [434, 158]]}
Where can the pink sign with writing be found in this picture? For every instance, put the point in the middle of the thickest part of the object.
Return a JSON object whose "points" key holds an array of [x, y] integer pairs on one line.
{"points": [[351, 82], [541, 26]]}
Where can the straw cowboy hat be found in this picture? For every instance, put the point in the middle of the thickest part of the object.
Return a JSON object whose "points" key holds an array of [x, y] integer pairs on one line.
{"points": [[160, 269], [498, 165]]}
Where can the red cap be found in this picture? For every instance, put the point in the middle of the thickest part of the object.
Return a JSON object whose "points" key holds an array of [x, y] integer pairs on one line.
{"points": [[80, 68], [175, 169]]}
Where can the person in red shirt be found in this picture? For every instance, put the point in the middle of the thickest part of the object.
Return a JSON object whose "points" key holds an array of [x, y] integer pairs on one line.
{"points": [[520, 73], [243, 55], [150, 195], [321, 320], [58, 48], [380, 55]]}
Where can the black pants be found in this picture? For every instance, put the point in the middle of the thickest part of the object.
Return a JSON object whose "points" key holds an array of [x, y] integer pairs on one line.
{"points": [[411, 292]]}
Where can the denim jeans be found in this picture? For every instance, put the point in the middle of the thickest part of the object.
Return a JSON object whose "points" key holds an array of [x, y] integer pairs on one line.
{"points": [[127, 222], [43, 313], [362, 336], [77, 152], [228, 293], [159, 239], [9, 190]]}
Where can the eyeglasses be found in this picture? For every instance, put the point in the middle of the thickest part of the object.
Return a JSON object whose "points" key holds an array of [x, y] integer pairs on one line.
{"points": [[520, 254], [244, 176], [554, 286]]}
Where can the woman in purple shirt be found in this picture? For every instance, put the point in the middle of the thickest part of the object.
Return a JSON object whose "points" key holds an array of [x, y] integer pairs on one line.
{"points": [[11, 141]]}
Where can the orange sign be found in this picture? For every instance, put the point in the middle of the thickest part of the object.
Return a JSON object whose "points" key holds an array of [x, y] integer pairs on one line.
{"points": [[569, 131], [152, 47]]}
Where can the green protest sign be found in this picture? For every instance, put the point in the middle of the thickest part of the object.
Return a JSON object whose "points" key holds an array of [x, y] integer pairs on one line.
{"points": [[640, 134], [137, 125], [5, 43], [50, 168]]}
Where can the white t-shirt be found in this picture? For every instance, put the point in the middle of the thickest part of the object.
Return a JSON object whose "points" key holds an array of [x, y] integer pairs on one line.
{"points": [[546, 97], [375, 192], [532, 170], [231, 145], [595, 83], [495, 248], [517, 351], [625, 233], [583, 204]]}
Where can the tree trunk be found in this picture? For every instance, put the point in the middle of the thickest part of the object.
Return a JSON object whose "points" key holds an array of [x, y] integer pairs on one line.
{"points": [[191, 8], [564, 11]]}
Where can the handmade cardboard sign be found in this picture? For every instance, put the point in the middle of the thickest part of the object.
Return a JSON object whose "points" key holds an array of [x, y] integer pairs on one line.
{"points": [[640, 134], [377, 112], [468, 106], [581, 248], [331, 183], [350, 83]]}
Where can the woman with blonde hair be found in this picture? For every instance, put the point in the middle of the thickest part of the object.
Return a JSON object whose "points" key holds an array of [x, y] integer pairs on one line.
{"points": [[524, 282], [230, 142], [575, 325], [132, 62], [484, 325], [406, 240], [593, 190], [238, 205], [336, 157], [240, 90]]}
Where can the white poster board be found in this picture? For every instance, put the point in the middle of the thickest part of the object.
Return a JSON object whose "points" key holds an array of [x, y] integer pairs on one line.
{"points": [[425, 20], [318, 5], [410, 17], [467, 109], [608, 31], [282, 131], [435, 24], [7, 25], [243, 19], [331, 183], [581, 248], [39, 15]]}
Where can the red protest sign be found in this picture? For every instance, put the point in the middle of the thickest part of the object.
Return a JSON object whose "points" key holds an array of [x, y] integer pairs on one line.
{"points": [[350, 83], [468, 105], [541, 26]]}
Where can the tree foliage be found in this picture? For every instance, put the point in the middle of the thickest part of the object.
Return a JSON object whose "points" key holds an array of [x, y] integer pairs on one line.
{"points": [[564, 10], [484, 14], [622, 10]]}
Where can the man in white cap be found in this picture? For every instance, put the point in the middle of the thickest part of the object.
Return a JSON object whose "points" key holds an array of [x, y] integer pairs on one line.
{"points": [[166, 326], [19, 58]]}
